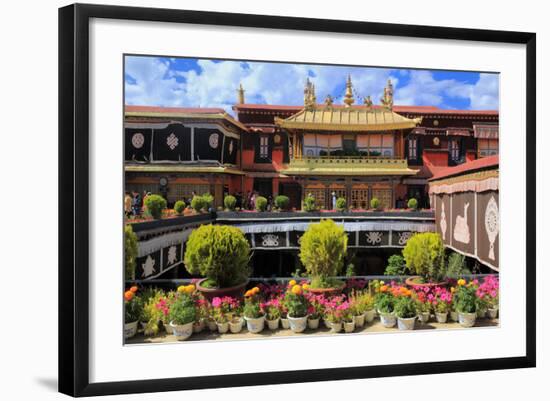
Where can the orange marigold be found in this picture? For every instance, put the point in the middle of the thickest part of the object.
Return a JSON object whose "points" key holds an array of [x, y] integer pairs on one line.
{"points": [[128, 295], [384, 288], [181, 288], [134, 288], [255, 290], [292, 283], [296, 289]]}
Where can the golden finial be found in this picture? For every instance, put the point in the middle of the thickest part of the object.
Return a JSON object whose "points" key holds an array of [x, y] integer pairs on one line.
{"points": [[309, 95], [387, 99], [329, 101], [240, 94], [368, 102], [348, 97]]}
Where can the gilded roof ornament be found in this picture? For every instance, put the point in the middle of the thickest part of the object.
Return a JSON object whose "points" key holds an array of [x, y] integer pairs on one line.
{"points": [[329, 101], [310, 99], [348, 97], [368, 102], [240, 94], [387, 99]]}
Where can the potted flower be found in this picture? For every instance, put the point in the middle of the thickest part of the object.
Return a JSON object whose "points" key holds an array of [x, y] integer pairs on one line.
{"points": [[315, 310], [453, 313], [151, 316], [358, 308], [297, 306], [182, 316], [235, 318], [405, 310], [223, 310], [253, 313], [333, 315], [202, 308], [273, 313], [466, 304], [424, 256], [220, 254], [491, 288], [385, 306], [322, 251], [423, 307], [348, 319], [132, 311], [442, 304]]}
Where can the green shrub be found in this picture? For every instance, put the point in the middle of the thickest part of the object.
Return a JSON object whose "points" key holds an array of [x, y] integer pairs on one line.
{"points": [[396, 266], [412, 204], [209, 199], [133, 309], [198, 203], [405, 307], [309, 204], [465, 299], [384, 302], [374, 203], [252, 309], [296, 304], [456, 266], [282, 202], [155, 204], [130, 252], [341, 204], [425, 255], [219, 253], [182, 311], [323, 249], [229, 202], [261, 204], [179, 207]]}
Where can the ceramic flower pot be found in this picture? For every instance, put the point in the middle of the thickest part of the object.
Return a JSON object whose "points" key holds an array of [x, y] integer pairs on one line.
{"points": [[481, 313], [467, 319], [492, 313], [369, 315], [441, 317], [424, 317], [235, 326], [255, 325], [130, 329], [273, 324], [359, 320], [454, 316], [198, 326], [335, 327], [212, 325], [297, 324], [222, 327], [182, 331], [388, 319], [326, 323], [406, 323], [284, 323], [349, 326], [167, 328], [313, 324]]}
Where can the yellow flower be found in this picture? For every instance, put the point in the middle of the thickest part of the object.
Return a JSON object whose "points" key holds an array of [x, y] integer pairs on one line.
{"points": [[190, 288], [181, 288], [461, 282], [305, 286], [381, 282], [296, 289], [292, 283], [453, 290]]}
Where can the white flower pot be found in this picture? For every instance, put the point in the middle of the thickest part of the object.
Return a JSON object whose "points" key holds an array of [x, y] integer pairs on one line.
{"points": [[236, 326], [349, 326], [454, 316], [481, 313], [326, 323], [406, 323], [492, 313], [467, 319], [359, 320], [182, 331], [273, 324], [168, 329], [198, 326], [335, 327], [284, 323], [255, 325], [297, 324], [388, 319], [212, 326], [130, 329], [222, 327], [441, 317], [424, 317], [313, 324], [370, 315]]}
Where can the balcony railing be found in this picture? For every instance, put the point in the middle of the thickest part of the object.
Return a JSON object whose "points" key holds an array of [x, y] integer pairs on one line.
{"points": [[348, 162]]}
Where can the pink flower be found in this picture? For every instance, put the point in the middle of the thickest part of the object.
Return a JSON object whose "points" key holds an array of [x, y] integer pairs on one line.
{"points": [[216, 302]]}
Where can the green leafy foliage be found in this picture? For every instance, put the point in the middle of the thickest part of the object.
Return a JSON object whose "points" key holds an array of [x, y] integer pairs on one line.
{"points": [[323, 249], [374, 203], [209, 199], [405, 307], [465, 299], [155, 204], [396, 266], [132, 309], [282, 202], [456, 265], [341, 204], [229, 202], [309, 204], [296, 304], [252, 309], [198, 203], [130, 252], [261, 204], [385, 302], [219, 253], [179, 207], [182, 311], [412, 204], [424, 255]]}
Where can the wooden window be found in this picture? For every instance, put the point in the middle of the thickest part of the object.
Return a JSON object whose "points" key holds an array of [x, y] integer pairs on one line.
{"points": [[454, 149], [264, 147], [318, 194], [487, 147], [384, 196], [413, 149], [360, 198]]}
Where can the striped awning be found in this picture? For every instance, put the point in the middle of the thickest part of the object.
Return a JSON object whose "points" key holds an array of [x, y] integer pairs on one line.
{"points": [[348, 226]]}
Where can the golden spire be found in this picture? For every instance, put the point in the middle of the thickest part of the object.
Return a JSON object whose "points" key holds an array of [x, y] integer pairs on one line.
{"points": [[310, 100], [329, 101], [240, 94], [348, 97], [387, 100]]}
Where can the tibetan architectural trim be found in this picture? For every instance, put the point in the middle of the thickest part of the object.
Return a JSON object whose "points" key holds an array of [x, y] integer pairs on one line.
{"points": [[179, 168]]}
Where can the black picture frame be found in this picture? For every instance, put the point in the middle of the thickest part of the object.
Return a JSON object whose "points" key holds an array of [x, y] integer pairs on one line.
{"points": [[74, 200]]}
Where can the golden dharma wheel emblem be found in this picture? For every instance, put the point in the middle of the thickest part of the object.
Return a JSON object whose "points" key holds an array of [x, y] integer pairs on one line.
{"points": [[436, 141], [436, 123]]}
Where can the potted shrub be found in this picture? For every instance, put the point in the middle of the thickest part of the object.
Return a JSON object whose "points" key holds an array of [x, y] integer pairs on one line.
{"points": [[341, 204], [442, 304], [358, 308], [297, 307], [385, 306], [405, 310], [253, 312], [396, 266], [151, 316], [466, 304], [261, 204], [198, 204], [182, 316], [220, 254], [322, 251], [132, 312], [179, 207], [130, 252], [155, 204], [375, 204], [208, 199], [412, 204], [229, 202], [308, 204], [424, 256], [282, 202], [273, 313]]}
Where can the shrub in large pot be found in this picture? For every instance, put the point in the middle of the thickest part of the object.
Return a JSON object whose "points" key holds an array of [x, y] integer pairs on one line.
{"points": [[424, 256], [155, 204], [182, 316], [282, 202], [221, 255], [322, 251]]}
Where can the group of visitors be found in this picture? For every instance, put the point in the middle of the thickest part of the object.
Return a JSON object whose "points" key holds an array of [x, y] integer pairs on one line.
{"points": [[134, 203], [250, 201]]}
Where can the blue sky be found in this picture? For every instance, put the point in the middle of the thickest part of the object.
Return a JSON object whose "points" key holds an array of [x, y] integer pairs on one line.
{"points": [[188, 82]]}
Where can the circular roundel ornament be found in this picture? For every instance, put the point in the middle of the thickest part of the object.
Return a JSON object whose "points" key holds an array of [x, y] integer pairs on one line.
{"points": [[436, 141], [213, 140], [231, 147], [277, 139], [492, 225], [138, 140]]}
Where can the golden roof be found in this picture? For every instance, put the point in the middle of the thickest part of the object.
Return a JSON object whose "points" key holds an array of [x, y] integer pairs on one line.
{"points": [[361, 118]]}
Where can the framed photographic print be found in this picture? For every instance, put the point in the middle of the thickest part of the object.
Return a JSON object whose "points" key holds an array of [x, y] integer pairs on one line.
{"points": [[283, 199]]}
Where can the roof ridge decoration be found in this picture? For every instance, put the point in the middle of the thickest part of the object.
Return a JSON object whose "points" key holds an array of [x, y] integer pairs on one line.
{"points": [[310, 100], [387, 99], [348, 96]]}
